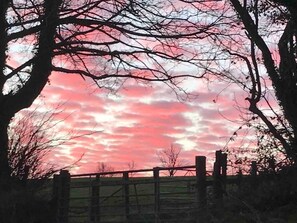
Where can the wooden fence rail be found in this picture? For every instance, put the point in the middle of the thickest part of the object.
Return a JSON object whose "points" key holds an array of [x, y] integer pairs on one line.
{"points": [[148, 199]]}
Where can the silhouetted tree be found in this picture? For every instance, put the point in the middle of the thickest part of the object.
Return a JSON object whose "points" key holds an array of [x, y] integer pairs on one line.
{"points": [[105, 41], [131, 166], [105, 168], [170, 157], [30, 139], [256, 50], [32, 136], [280, 69], [248, 43]]}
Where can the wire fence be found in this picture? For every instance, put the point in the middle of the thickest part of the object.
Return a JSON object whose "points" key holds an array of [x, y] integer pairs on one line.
{"points": [[132, 196]]}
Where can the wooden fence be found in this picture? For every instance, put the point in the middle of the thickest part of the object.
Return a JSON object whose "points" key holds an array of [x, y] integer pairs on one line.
{"points": [[96, 198]]}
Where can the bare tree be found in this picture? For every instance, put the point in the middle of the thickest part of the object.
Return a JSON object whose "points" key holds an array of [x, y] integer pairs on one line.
{"points": [[247, 43], [131, 166], [28, 145], [105, 168], [261, 66], [170, 157], [256, 50], [105, 41], [32, 136]]}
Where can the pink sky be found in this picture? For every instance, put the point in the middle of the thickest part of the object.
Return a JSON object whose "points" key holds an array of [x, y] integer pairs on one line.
{"points": [[138, 120]]}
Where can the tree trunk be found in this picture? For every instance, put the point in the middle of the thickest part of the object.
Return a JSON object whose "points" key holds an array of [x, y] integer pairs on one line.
{"points": [[283, 77], [287, 91], [10, 104]]}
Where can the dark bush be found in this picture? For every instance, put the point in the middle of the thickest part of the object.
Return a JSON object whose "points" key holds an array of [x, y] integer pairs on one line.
{"points": [[22, 205]]}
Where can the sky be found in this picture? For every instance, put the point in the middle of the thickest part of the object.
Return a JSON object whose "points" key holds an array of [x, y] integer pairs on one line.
{"points": [[133, 123]]}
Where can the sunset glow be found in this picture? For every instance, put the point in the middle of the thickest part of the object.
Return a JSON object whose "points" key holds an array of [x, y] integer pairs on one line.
{"points": [[103, 87], [136, 121]]}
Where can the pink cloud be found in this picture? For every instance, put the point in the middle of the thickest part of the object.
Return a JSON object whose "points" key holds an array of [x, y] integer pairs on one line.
{"points": [[136, 91], [135, 123]]}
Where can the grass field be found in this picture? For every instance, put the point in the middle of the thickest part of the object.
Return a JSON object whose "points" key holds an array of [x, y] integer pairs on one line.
{"points": [[176, 197], [176, 201]]}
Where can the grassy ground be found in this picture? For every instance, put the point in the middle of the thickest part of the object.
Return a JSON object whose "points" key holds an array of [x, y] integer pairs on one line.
{"points": [[268, 202], [175, 196]]}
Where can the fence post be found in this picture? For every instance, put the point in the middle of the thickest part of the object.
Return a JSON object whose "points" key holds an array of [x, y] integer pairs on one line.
{"points": [[224, 169], [63, 196], [95, 201], [126, 194], [156, 171], [201, 201], [217, 177]]}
